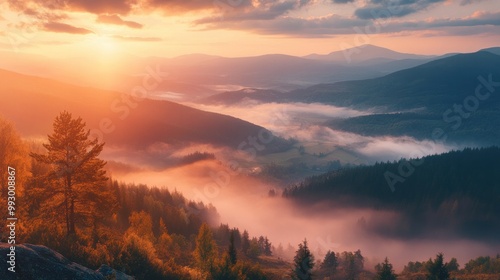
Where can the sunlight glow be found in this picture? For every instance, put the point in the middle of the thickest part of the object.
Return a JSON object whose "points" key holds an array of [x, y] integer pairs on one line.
{"points": [[104, 44]]}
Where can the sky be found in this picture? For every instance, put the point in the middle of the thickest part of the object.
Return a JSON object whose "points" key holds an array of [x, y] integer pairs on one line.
{"points": [[235, 28]]}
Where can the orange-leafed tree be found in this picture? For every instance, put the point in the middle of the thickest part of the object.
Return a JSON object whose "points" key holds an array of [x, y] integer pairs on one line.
{"points": [[141, 225], [76, 185], [14, 153], [206, 250]]}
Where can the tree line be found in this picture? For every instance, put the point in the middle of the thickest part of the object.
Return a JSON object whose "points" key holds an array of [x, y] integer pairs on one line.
{"points": [[458, 190]]}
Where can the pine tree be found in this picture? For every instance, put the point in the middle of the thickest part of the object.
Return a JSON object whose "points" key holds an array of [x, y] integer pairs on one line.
{"points": [[437, 269], [452, 265], [267, 247], [224, 270], [330, 263], [254, 250], [232, 249], [385, 271], [76, 183], [206, 249], [245, 242], [303, 263], [352, 264]]}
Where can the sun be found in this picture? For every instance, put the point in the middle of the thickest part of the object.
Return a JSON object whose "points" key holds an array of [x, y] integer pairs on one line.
{"points": [[104, 44]]}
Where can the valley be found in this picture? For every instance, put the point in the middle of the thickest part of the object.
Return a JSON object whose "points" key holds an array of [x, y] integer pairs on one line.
{"points": [[249, 140]]}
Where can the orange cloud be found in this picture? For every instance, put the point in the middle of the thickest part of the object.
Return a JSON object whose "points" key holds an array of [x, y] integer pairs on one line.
{"points": [[137, 39], [115, 19], [65, 28]]}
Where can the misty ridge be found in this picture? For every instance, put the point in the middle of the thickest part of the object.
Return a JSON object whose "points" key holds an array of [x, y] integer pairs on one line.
{"points": [[255, 167]]}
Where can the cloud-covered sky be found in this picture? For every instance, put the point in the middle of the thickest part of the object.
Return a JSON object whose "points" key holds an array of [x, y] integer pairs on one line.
{"points": [[249, 27]]}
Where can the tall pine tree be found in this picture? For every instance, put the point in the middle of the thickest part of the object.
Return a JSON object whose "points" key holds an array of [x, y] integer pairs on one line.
{"points": [[436, 270], [385, 271], [330, 263], [303, 263], [233, 257], [245, 242], [76, 184]]}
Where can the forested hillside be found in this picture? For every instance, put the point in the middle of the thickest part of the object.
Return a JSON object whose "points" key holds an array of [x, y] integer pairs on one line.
{"points": [[478, 129], [457, 193], [65, 200]]}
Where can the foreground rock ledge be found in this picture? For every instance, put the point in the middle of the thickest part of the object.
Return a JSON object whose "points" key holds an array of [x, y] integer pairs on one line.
{"points": [[42, 263]]}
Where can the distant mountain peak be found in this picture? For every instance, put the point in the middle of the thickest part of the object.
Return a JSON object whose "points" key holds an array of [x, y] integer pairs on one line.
{"points": [[369, 46], [493, 50], [364, 53]]}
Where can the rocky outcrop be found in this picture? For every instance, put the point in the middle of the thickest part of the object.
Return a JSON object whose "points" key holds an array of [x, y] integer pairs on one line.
{"points": [[111, 273], [35, 262]]}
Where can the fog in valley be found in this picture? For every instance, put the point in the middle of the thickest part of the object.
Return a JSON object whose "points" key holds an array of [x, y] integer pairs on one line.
{"points": [[232, 183]]}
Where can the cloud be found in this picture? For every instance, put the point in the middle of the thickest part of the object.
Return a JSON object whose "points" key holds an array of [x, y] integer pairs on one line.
{"points": [[109, 11], [115, 19], [469, 2], [91, 6], [393, 8], [483, 19], [176, 6], [274, 18], [328, 25], [337, 25], [125, 7], [305, 123], [137, 39], [65, 28], [270, 10], [256, 10], [266, 17], [278, 116]]}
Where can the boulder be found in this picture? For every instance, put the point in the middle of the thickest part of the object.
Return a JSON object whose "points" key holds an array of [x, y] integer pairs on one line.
{"points": [[36, 262]]}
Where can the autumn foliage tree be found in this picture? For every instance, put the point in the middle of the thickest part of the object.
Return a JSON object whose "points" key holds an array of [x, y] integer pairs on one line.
{"points": [[76, 182], [206, 249], [13, 153]]}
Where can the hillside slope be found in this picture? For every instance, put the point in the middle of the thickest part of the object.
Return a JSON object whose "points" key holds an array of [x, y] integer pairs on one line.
{"points": [[453, 194], [435, 85], [455, 95]]}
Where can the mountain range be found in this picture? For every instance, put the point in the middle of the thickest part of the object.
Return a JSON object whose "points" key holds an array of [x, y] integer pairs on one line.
{"points": [[411, 102], [196, 76], [366, 55], [32, 103]]}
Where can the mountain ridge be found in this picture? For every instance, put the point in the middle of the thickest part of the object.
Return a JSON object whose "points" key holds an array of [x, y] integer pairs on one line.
{"points": [[127, 121], [363, 53]]}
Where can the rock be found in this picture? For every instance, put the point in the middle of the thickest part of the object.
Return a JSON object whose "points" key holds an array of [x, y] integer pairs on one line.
{"points": [[111, 273], [36, 262]]}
